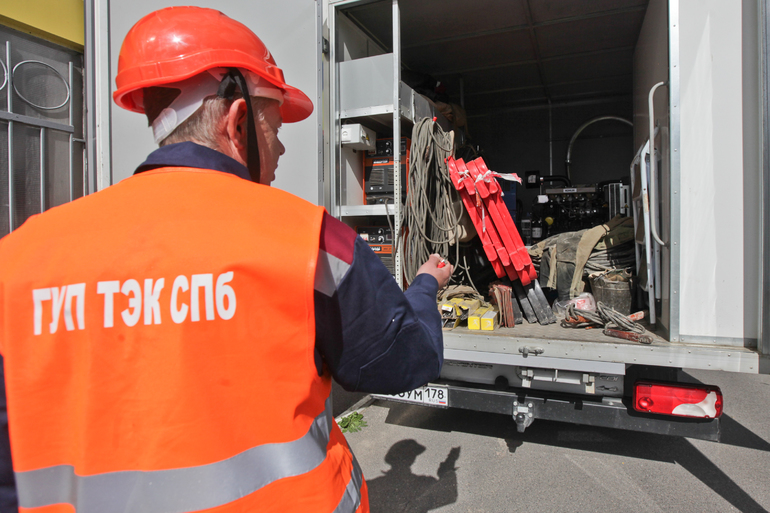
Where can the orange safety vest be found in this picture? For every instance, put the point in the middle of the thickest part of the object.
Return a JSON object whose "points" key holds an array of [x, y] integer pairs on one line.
{"points": [[159, 351]]}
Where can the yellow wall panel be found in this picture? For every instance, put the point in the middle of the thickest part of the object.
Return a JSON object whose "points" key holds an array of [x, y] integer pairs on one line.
{"points": [[60, 21]]}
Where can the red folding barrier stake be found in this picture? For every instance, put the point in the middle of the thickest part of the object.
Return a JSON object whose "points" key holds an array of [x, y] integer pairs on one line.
{"points": [[483, 189], [509, 224], [487, 225], [484, 225], [468, 196]]}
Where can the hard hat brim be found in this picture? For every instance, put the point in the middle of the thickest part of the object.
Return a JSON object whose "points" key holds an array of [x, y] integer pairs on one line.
{"points": [[296, 106]]}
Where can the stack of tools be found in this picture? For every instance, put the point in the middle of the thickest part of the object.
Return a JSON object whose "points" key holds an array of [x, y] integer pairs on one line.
{"points": [[510, 313], [482, 198], [457, 310], [614, 324]]}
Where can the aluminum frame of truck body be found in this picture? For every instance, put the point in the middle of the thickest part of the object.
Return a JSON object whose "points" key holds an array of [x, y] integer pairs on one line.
{"points": [[714, 290]]}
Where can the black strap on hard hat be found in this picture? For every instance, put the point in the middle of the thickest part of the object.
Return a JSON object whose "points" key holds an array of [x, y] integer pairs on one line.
{"points": [[234, 79]]}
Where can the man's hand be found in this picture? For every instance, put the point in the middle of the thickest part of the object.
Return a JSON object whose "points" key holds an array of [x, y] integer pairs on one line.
{"points": [[438, 268]]}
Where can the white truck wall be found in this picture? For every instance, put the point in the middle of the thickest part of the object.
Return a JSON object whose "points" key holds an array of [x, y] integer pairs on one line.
{"points": [[651, 66], [752, 188], [718, 257], [292, 40]]}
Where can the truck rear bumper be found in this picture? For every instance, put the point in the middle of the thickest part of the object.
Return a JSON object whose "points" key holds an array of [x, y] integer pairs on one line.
{"points": [[525, 406]]}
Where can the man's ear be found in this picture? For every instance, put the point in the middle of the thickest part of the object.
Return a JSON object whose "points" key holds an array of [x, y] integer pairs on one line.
{"points": [[235, 128]]}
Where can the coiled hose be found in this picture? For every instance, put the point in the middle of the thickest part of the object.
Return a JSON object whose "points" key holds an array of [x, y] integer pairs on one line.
{"points": [[603, 316], [431, 218]]}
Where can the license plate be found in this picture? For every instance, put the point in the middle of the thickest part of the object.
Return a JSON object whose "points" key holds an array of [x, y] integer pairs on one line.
{"points": [[429, 394]]}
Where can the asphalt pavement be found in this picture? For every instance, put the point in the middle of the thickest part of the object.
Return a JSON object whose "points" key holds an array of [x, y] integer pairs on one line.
{"points": [[420, 459]]}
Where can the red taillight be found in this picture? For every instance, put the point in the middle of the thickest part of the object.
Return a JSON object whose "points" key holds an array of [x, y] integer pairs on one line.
{"points": [[702, 401]]}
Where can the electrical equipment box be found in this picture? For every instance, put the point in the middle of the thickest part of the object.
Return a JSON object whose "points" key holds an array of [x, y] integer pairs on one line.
{"points": [[618, 198], [384, 147], [379, 183], [357, 137], [526, 231], [576, 190], [573, 208], [380, 239]]}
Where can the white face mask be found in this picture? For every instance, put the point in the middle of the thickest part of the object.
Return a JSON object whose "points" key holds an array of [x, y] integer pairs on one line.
{"points": [[194, 90]]}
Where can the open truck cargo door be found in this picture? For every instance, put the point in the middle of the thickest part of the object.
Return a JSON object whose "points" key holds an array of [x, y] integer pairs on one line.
{"points": [[291, 29], [527, 76]]}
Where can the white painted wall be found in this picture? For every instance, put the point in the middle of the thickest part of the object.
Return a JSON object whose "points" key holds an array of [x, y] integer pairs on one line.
{"points": [[713, 296]]}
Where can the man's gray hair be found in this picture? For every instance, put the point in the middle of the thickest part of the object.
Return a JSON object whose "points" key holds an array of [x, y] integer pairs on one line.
{"points": [[205, 125]]}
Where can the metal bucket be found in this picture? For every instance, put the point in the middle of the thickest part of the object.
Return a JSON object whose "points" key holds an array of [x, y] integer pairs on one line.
{"points": [[618, 295]]}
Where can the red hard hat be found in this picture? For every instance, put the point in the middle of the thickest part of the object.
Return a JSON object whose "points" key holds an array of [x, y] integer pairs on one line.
{"points": [[176, 43]]}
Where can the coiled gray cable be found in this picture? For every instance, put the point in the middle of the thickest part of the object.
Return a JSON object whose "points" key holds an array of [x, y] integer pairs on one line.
{"points": [[603, 316], [430, 218]]}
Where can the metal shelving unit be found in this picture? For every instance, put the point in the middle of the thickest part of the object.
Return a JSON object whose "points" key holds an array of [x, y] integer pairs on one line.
{"points": [[366, 90]]}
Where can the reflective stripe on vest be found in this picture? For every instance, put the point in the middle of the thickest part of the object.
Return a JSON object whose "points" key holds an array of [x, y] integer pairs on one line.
{"points": [[187, 489], [351, 499]]}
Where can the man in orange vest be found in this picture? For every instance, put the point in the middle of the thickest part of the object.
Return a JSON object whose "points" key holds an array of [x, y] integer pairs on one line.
{"points": [[169, 342]]}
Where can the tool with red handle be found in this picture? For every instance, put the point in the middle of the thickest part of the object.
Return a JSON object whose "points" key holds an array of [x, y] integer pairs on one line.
{"points": [[629, 335]]}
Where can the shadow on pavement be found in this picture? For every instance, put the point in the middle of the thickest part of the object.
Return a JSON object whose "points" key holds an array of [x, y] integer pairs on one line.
{"points": [[734, 433], [398, 489], [617, 442]]}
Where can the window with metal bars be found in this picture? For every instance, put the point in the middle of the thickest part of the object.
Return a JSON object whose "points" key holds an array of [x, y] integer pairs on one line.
{"points": [[42, 144]]}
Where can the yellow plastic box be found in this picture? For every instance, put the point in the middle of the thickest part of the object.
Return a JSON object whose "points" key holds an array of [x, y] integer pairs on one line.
{"points": [[489, 320], [475, 319]]}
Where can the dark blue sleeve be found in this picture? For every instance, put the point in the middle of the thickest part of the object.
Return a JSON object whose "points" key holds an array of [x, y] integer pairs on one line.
{"points": [[374, 337]]}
